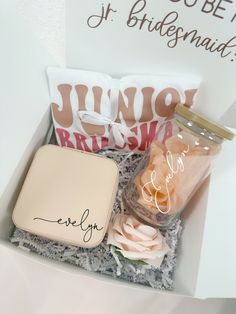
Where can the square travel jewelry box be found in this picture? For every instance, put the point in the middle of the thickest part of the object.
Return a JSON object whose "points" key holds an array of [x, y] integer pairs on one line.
{"points": [[67, 196]]}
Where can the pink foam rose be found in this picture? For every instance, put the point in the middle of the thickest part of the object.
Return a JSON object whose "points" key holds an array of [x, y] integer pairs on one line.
{"points": [[137, 241]]}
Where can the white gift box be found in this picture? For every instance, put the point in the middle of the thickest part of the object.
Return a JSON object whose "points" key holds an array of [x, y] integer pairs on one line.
{"points": [[207, 251]]}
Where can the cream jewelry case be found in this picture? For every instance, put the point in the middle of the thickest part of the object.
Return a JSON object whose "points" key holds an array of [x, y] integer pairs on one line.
{"points": [[67, 196]]}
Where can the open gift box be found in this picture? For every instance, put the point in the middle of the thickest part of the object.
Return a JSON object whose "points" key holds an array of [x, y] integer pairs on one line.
{"points": [[206, 266]]}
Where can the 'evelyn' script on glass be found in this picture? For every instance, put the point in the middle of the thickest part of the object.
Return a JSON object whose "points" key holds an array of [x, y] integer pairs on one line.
{"points": [[170, 28], [81, 224], [176, 165]]}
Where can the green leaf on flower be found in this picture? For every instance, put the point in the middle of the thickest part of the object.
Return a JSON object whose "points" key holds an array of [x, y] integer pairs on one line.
{"points": [[133, 262]]}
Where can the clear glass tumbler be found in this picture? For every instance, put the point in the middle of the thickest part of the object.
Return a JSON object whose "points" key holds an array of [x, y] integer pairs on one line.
{"points": [[171, 172]]}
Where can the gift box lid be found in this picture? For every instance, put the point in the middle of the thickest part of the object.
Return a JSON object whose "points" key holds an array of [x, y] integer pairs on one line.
{"points": [[155, 37]]}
